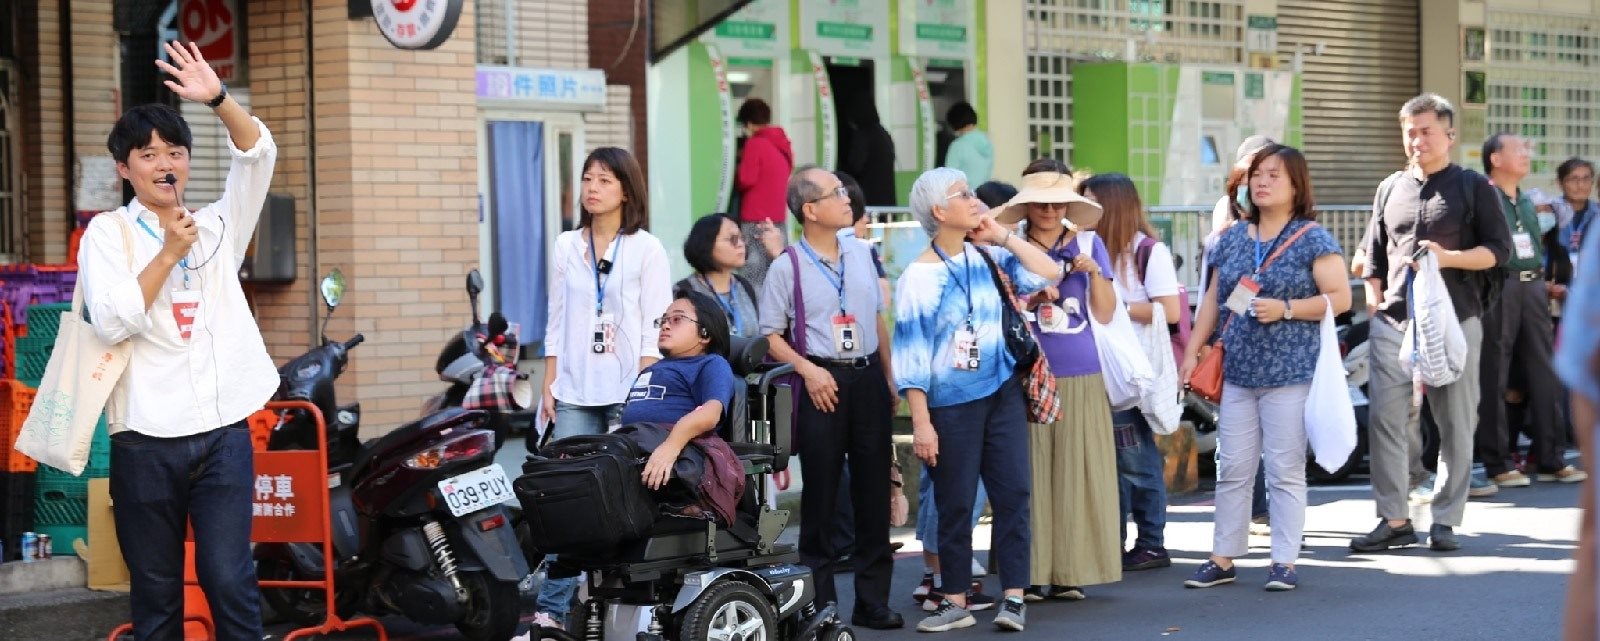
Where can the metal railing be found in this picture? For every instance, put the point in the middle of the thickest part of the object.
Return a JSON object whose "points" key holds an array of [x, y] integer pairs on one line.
{"points": [[1185, 226]]}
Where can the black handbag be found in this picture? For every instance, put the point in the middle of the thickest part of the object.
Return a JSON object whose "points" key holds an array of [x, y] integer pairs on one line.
{"points": [[1013, 325], [588, 499]]}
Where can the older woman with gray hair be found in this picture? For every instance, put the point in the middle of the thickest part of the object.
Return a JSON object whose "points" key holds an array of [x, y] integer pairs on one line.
{"points": [[968, 412]]}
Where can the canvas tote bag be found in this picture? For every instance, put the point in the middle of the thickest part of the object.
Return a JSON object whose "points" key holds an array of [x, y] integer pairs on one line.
{"points": [[77, 383]]}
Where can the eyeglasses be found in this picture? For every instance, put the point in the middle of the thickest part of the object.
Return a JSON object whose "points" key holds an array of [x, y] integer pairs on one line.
{"points": [[965, 193], [1048, 206], [838, 192], [735, 239], [1578, 178], [674, 320]]}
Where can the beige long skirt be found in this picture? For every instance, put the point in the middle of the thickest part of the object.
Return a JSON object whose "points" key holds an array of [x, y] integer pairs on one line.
{"points": [[1076, 538]]}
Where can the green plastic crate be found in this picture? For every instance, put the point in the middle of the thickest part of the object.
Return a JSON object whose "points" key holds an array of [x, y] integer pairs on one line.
{"points": [[44, 320], [33, 355]]}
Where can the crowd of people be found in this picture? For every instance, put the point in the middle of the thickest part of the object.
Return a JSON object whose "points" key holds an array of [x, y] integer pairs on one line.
{"points": [[1002, 312], [996, 351]]}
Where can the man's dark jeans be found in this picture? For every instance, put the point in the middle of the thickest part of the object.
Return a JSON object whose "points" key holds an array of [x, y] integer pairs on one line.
{"points": [[1142, 482], [158, 487]]}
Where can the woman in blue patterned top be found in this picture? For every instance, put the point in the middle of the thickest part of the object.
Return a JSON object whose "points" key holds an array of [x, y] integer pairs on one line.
{"points": [[1276, 274], [968, 413]]}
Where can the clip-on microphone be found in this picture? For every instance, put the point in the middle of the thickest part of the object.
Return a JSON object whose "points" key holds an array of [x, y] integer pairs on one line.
{"points": [[173, 181]]}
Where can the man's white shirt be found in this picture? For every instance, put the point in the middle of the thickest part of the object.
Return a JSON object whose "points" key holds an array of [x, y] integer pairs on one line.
{"points": [[175, 387]]}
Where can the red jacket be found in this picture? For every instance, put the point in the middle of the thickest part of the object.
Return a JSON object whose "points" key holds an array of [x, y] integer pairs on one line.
{"points": [[764, 176]]}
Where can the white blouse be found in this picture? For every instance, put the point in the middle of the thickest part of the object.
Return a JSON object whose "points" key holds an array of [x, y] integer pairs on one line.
{"points": [[637, 291]]}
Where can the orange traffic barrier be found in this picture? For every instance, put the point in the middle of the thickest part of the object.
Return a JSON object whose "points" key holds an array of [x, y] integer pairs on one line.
{"points": [[284, 515]]}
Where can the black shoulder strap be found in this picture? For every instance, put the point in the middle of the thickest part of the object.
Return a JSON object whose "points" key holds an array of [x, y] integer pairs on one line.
{"points": [[1469, 198]]}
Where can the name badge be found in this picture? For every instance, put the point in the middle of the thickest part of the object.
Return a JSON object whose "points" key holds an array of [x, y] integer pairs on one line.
{"points": [[964, 353], [846, 333], [604, 337], [1524, 244], [1243, 294], [1052, 319], [185, 311]]}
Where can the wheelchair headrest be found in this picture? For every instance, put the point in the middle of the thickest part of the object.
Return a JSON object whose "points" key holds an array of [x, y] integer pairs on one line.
{"points": [[746, 354]]}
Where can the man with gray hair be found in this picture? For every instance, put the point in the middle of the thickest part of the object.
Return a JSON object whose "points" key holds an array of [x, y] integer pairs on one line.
{"points": [[1435, 206], [838, 344]]}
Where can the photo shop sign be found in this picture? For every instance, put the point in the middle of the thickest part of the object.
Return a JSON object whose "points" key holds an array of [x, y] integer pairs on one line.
{"points": [[416, 24]]}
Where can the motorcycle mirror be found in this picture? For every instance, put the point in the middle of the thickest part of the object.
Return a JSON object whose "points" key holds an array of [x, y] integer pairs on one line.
{"points": [[333, 288], [474, 283]]}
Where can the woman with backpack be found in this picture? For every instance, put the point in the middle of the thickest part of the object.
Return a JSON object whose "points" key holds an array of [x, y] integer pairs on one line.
{"points": [[715, 248], [1145, 278]]}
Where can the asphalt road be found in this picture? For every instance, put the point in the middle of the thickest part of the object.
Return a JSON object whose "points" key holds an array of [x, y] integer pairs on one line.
{"points": [[1507, 581]]}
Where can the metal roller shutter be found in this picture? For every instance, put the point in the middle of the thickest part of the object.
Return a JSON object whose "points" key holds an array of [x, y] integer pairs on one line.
{"points": [[1352, 91], [209, 161]]}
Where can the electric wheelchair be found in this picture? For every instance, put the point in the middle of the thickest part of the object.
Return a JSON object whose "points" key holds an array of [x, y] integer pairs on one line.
{"points": [[693, 580]]}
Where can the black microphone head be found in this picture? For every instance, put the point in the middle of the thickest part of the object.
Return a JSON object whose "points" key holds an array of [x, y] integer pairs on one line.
{"points": [[171, 179]]}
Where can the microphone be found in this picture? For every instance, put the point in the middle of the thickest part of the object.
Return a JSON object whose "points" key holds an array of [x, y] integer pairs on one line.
{"points": [[173, 180]]}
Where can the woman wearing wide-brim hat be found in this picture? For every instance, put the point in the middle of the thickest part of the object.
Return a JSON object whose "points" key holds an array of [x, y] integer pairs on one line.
{"points": [[1076, 533]]}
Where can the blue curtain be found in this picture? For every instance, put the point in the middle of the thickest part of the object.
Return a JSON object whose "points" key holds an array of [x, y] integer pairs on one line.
{"points": [[517, 168]]}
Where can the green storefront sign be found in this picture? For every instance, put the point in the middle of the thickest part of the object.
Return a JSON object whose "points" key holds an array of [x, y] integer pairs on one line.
{"points": [[843, 31]]}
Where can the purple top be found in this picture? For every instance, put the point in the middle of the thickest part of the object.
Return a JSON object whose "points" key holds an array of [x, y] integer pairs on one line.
{"points": [[1070, 348]]}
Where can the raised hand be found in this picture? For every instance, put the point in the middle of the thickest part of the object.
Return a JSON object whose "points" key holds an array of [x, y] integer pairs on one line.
{"points": [[192, 78]]}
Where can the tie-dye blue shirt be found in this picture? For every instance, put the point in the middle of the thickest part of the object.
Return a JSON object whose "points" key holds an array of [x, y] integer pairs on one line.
{"points": [[931, 305]]}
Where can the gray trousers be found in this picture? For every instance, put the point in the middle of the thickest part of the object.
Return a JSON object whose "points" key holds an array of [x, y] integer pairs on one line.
{"points": [[1396, 438], [1250, 423]]}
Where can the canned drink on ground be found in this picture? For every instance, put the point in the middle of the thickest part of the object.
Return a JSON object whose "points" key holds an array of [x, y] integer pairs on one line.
{"points": [[30, 546], [46, 546]]}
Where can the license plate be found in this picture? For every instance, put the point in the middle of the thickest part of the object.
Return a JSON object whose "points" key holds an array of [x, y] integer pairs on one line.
{"points": [[475, 490]]}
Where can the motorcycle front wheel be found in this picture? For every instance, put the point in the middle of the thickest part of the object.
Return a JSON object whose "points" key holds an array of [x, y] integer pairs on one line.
{"points": [[493, 608]]}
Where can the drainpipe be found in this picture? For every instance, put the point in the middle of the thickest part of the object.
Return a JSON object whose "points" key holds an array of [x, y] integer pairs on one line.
{"points": [[312, 264], [67, 139]]}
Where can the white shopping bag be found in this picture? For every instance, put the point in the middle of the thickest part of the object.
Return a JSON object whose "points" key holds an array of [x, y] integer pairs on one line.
{"points": [[77, 384], [1434, 348], [1123, 365], [1160, 403], [1330, 416]]}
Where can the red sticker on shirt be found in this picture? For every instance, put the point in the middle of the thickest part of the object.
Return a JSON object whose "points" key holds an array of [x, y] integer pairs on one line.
{"points": [[185, 309]]}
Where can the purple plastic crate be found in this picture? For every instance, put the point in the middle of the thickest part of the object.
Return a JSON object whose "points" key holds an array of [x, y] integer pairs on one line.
{"points": [[19, 295]]}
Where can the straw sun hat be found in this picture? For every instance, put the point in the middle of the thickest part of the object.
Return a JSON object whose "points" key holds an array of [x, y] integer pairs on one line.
{"points": [[1049, 187]]}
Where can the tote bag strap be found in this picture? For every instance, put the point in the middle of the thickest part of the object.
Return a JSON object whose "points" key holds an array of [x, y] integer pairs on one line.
{"points": [[127, 251]]}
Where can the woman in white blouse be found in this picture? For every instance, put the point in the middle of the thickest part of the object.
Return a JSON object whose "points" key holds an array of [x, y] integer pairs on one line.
{"points": [[608, 282]]}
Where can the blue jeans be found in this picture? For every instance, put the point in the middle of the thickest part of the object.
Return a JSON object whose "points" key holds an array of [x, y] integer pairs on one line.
{"points": [[555, 595], [928, 511], [1141, 479], [985, 438], [158, 487]]}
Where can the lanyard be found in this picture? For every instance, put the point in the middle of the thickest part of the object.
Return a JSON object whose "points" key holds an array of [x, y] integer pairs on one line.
{"points": [[730, 305], [837, 279], [182, 263], [1261, 250], [967, 288], [594, 261]]}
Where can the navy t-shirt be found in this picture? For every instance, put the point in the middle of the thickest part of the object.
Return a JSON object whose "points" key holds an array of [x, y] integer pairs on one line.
{"points": [[672, 388]]}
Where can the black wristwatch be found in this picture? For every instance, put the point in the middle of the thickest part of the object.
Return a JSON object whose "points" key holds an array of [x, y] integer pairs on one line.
{"points": [[217, 101]]}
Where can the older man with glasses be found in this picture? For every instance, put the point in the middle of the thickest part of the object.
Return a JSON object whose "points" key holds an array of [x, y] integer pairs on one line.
{"points": [[837, 342]]}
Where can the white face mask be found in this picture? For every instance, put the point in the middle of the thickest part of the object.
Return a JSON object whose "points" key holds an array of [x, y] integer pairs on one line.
{"points": [[1547, 222]]}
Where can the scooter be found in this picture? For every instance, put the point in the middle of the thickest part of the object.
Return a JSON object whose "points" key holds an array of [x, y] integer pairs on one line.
{"points": [[419, 524]]}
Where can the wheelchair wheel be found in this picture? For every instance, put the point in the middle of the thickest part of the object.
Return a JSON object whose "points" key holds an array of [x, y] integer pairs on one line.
{"points": [[729, 610], [838, 633]]}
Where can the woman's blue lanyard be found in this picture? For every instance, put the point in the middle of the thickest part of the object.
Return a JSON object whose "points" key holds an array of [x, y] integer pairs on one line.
{"points": [[837, 279], [730, 305], [1261, 251], [595, 261], [965, 288], [184, 264]]}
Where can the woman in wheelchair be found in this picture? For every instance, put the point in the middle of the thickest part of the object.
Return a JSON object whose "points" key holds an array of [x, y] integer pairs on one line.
{"points": [[689, 389]]}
